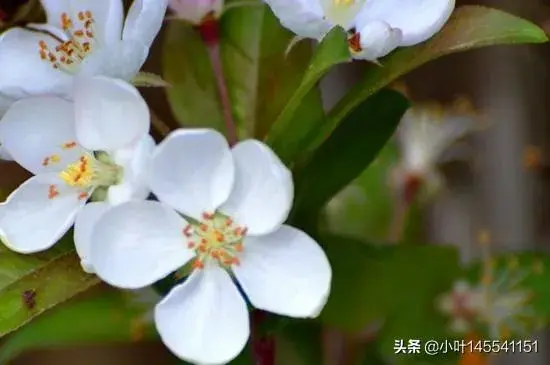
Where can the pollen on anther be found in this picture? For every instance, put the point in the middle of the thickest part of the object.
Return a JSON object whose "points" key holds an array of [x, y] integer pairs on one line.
{"points": [[191, 245], [187, 230], [53, 192], [207, 216], [83, 196], [239, 247], [198, 264]]}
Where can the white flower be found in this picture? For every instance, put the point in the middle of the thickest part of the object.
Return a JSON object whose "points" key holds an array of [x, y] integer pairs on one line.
{"points": [[196, 11], [376, 27], [235, 201], [81, 37], [426, 136], [97, 145], [462, 305]]}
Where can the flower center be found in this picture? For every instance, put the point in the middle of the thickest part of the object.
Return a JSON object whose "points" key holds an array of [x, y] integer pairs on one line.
{"points": [[344, 3], [89, 172], [66, 56], [216, 237]]}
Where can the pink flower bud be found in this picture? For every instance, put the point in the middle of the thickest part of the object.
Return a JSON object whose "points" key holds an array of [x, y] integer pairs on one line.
{"points": [[196, 11]]}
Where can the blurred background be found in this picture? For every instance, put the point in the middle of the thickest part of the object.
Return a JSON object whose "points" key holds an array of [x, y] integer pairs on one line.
{"points": [[504, 189]]}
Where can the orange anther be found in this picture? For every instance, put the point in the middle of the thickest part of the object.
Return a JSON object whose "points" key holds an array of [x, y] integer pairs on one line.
{"points": [[53, 192], [198, 264], [239, 247], [215, 255], [43, 45], [81, 16], [83, 196], [89, 14], [203, 227], [79, 33], [202, 248], [191, 244], [207, 216], [46, 161], [187, 230], [244, 231]]}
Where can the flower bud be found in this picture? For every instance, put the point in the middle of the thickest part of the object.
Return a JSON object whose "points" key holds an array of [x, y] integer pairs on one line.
{"points": [[196, 11]]}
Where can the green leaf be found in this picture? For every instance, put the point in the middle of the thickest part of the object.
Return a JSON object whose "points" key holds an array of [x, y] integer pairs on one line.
{"points": [[147, 79], [107, 316], [193, 96], [347, 152], [261, 77], [364, 208], [469, 27], [253, 45], [395, 284], [32, 284], [297, 120]]}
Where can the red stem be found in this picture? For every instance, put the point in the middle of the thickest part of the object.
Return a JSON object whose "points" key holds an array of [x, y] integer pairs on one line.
{"points": [[210, 32], [263, 346]]}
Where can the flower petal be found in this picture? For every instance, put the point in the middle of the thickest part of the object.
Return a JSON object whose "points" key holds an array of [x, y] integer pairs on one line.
{"points": [[32, 219], [36, 132], [377, 39], [418, 20], [340, 13], [204, 320], [120, 60], [84, 225], [144, 21], [22, 72], [110, 114], [193, 171], [135, 162], [303, 17], [263, 190], [285, 272], [108, 16], [137, 243], [54, 9]]}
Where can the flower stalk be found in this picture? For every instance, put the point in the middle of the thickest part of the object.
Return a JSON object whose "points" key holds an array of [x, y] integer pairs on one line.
{"points": [[210, 33], [263, 346]]}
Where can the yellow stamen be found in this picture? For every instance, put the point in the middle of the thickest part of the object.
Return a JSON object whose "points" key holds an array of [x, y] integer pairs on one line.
{"points": [[79, 173]]}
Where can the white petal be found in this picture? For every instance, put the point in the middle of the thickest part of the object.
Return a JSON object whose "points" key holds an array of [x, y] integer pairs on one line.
{"points": [[4, 154], [110, 114], [303, 17], [120, 59], [419, 20], [342, 14], [22, 72], [84, 225], [135, 162], [263, 190], [35, 129], [193, 171], [5, 104], [108, 16], [137, 243], [285, 272], [144, 20], [31, 221], [54, 9], [204, 320], [377, 39]]}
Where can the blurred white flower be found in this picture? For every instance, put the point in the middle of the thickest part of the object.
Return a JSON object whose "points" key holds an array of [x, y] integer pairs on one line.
{"points": [[462, 305], [426, 136], [99, 142], [196, 11], [376, 27], [234, 202], [81, 37]]}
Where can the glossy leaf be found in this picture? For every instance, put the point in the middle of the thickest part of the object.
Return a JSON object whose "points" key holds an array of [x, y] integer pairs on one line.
{"points": [[252, 46], [30, 285], [296, 122], [107, 316], [348, 151], [469, 27]]}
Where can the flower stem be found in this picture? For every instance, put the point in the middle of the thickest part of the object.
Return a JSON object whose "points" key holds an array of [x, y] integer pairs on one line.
{"points": [[210, 33], [263, 346]]}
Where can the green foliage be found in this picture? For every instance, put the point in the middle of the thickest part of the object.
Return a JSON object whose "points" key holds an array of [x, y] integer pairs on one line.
{"points": [[364, 209], [347, 152], [30, 285], [106, 316], [300, 117], [252, 45], [394, 284], [469, 27]]}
